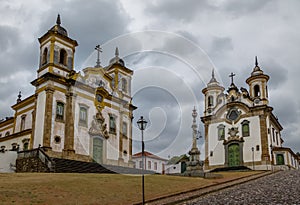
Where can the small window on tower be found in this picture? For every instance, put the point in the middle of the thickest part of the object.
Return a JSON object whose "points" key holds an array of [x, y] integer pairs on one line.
{"points": [[210, 101], [63, 57], [44, 58], [124, 129], [60, 111], [23, 118], [256, 91], [124, 85]]}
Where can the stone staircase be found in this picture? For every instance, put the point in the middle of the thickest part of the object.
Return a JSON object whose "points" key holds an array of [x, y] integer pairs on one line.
{"points": [[73, 166]]}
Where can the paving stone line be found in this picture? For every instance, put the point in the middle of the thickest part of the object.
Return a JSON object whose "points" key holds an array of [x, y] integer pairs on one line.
{"points": [[280, 188], [192, 194]]}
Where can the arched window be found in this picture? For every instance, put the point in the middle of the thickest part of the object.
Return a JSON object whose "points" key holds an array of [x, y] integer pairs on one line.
{"points": [[44, 57], [245, 128], [63, 57], [124, 85], [256, 91], [210, 101], [221, 132]]}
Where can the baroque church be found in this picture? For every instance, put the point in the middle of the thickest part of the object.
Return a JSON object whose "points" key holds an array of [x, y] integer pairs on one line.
{"points": [[240, 127], [84, 116]]}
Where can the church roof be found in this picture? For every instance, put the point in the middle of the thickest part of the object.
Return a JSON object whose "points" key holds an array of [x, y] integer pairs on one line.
{"points": [[148, 154], [58, 28], [117, 59]]}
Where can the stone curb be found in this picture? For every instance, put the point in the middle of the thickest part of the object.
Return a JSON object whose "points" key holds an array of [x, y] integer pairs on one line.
{"points": [[198, 192]]}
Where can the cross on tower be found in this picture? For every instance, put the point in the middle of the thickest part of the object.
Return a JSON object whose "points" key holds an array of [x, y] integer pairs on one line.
{"points": [[231, 76], [99, 50]]}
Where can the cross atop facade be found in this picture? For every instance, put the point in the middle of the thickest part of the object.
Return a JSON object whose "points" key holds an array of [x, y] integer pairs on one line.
{"points": [[231, 76], [99, 50]]}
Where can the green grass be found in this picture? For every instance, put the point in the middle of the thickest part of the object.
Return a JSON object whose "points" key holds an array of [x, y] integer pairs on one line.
{"points": [[46, 188]]}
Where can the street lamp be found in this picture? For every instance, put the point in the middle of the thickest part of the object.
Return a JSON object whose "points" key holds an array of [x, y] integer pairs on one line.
{"points": [[253, 157], [142, 124]]}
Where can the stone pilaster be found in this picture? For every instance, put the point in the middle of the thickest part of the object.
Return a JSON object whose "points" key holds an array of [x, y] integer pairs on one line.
{"points": [[48, 117], [69, 124], [33, 122], [121, 160], [206, 162], [264, 137]]}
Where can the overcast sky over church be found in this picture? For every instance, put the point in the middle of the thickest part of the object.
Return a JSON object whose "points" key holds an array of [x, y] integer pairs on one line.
{"points": [[172, 46]]}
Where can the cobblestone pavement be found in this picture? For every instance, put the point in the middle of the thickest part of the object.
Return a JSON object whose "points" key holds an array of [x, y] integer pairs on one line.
{"points": [[279, 188]]}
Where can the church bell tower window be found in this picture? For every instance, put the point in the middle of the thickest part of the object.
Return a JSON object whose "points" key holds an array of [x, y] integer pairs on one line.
{"points": [[63, 57], [256, 91], [44, 57], [60, 111], [210, 101]]}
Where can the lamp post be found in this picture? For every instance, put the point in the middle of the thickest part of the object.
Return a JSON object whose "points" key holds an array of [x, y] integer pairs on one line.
{"points": [[253, 157], [142, 126]]}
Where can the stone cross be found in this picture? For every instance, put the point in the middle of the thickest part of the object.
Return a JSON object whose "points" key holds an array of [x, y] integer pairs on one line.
{"points": [[231, 76], [99, 50]]}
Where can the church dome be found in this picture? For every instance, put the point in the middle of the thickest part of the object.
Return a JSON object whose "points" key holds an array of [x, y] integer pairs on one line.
{"points": [[58, 28], [116, 59], [256, 69]]}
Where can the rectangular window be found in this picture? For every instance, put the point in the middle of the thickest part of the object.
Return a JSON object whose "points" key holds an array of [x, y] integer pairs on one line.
{"points": [[221, 132], [277, 138], [155, 165], [245, 128], [83, 116], [60, 111], [112, 124], [141, 164], [23, 118], [124, 129], [149, 164]]}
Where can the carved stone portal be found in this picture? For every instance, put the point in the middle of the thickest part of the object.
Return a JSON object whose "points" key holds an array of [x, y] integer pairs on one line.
{"points": [[98, 126]]}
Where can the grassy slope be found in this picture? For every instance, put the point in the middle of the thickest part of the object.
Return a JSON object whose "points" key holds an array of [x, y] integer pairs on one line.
{"points": [[41, 188]]}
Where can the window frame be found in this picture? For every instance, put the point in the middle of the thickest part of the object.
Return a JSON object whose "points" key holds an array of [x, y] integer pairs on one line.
{"points": [[112, 130], [244, 124], [221, 136], [60, 117], [83, 122], [22, 124]]}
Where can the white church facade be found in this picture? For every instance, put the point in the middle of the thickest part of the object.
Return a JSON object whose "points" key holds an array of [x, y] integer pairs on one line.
{"points": [[241, 129], [83, 116]]}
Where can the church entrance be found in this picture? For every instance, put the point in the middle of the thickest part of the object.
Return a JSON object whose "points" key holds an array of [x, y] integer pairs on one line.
{"points": [[233, 155], [98, 150]]}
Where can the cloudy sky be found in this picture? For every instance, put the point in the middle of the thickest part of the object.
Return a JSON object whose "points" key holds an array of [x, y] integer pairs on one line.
{"points": [[172, 46]]}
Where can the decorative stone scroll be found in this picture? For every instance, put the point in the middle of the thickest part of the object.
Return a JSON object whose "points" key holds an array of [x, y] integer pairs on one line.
{"points": [[98, 126]]}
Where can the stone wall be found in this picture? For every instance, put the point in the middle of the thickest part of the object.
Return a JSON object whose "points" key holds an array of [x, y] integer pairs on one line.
{"points": [[30, 165]]}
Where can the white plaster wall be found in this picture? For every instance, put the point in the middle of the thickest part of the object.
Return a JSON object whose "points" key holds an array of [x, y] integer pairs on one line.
{"points": [[58, 128], [39, 121], [28, 120], [217, 146], [173, 168], [160, 165], [6, 159]]}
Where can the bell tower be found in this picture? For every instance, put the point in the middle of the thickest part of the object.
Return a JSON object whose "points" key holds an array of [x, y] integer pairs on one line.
{"points": [[56, 51], [211, 93], [258, 85]]}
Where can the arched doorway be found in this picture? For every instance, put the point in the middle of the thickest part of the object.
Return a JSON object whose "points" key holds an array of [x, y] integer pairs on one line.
{"points": [[233, 155], [98, 150]]}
